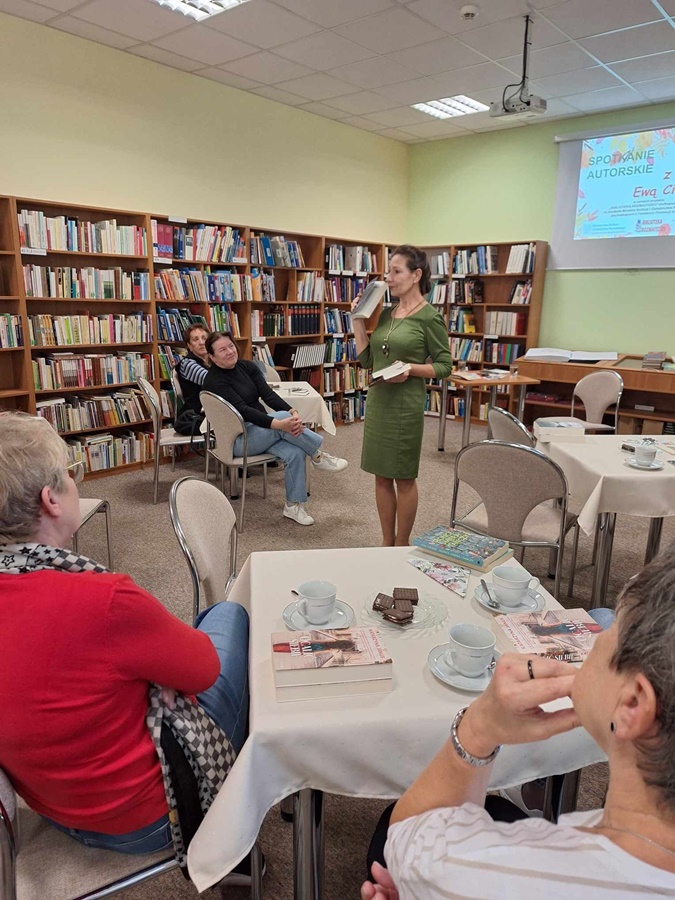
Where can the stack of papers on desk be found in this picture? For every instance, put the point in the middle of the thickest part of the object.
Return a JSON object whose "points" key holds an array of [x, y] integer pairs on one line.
{"points": [[555, 355]]}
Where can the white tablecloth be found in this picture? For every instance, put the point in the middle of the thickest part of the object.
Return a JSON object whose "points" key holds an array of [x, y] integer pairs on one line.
{"points": [[308, 402], [369, 745], [600, 482]]}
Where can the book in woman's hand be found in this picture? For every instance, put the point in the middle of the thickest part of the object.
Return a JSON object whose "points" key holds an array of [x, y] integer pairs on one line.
{"points": [[393, 371], [369, 300]]}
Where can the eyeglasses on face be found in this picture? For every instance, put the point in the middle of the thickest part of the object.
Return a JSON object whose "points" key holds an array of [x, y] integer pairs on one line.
{"points": [[76, 471]]}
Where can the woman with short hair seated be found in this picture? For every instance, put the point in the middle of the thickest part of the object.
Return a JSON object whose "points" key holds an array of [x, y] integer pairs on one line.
{"points": [[442, 843], [79, 647]]}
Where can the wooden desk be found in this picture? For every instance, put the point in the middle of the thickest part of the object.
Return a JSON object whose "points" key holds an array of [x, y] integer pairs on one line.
{"points": [[492, 383]]}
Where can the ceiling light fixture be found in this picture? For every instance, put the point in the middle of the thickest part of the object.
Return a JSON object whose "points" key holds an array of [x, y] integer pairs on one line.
{"points": [[451, 106], [200, 9]]}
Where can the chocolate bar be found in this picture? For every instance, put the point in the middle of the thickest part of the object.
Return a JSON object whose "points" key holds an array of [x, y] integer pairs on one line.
{"points": [[383, 602], [398, 616], [404, 605], [406, 594]]}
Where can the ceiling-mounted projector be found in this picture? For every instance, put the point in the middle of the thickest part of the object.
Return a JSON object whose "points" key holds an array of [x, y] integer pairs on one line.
{"points": [[520, 103]]}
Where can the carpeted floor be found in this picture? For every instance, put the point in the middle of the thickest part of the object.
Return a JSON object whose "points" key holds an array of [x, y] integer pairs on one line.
{"points": [[344, 509]]}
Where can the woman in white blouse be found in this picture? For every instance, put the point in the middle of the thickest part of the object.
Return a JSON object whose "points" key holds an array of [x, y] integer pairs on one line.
{"points": [[442, 843]]}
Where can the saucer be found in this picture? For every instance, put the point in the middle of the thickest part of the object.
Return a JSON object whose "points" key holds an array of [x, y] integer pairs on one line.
{"points": [[652, 467], [343, 616], [445, 672], [533, 602]]}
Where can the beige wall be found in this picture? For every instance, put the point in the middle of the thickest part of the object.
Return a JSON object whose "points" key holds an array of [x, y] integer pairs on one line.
{"points": [[84, 123]]}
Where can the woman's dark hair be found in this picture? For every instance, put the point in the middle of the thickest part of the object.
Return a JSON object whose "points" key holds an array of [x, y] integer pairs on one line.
{"points": [[190, 330], [213, 337], [416, 259]]}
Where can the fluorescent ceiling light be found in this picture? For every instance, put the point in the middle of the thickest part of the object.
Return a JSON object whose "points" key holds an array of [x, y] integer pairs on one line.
{"points": [[200, 9], [451, 106]]}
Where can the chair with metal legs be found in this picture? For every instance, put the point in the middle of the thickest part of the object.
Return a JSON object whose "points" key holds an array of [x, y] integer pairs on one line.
{"points": [[597, 391], [88, 509]]}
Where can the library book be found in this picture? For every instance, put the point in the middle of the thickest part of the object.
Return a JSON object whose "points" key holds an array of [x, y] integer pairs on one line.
{"points": [[369, 300], [476, 551]]}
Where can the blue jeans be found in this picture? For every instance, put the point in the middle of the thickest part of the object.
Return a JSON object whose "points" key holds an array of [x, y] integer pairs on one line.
{"points": [[293, 451], [226, 702]]}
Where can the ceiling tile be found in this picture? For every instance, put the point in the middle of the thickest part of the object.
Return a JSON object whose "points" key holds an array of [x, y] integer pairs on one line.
{"points": [[267, 68], [156, 54], [374, 72], [660, 89], [143, 21], [330, 13], [506, 38], [93, 32], [318, 86], [582, 18], [445, 13], [419, 90], [438, 56], [393, 29], [229, 78], [475, 78], [321, 109], [669, 6], [501, 125], [632, 42], [279, 96], [324, 50], [208, 46], [612, 98], [395, 134], [360, 122], [401, 115], [592, 79], [262, 23], [362, 103], [648, 68], [61, 5], [552, 61], [434, 127], [26, 10]]}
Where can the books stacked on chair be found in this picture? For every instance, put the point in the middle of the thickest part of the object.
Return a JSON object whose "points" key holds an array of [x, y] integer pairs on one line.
{"points": [[476, 551]]}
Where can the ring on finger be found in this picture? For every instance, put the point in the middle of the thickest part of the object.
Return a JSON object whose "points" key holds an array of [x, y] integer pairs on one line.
{"points": [[530, 671]]}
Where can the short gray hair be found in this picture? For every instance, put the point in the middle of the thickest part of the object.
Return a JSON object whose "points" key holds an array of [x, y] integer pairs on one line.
{"points": [[32, 456], [646, 643]]}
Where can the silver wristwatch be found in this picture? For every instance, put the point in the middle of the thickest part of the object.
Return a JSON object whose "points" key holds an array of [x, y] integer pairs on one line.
{"points": [[462, 752]]}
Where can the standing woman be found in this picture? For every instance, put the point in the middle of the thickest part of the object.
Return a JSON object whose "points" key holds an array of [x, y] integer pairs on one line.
{"points": [[412, 331]]}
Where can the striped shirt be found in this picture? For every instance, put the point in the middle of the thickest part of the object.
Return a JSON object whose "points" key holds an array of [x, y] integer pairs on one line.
{"points": [[462, 853]]}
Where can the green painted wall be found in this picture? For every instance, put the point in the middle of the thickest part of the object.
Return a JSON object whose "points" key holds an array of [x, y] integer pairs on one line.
{"points": [[84, 123], [501, 187]]}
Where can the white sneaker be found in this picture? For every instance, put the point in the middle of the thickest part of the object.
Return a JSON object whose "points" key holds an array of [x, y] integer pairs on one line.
{"points": [[298, 513], [328, 463]]}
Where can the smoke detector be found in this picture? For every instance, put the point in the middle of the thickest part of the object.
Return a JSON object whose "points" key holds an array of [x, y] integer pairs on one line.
{"points": [[469, 12]]}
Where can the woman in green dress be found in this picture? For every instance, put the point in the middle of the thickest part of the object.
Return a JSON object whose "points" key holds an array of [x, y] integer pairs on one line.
{"points": [[413, 332]]}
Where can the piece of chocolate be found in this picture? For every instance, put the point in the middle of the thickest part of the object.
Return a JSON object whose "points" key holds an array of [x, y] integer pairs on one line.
{"points": [[404, 605], [383, 602], [401, 593], [397, 616]]}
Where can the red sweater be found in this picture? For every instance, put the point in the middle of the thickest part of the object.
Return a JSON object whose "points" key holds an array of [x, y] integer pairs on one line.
{"points": [[76, 654]]}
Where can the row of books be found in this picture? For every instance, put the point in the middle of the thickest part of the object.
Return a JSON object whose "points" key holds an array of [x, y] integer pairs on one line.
{"points": [[462, 320], [171, 323], [275, 251], [167, 404], [438, 295], [198, 243], [310, 288], [466, 290], [88, 283], [223, 318], [354, 259], [433, 404], [337, 321], [40, 232], [348, 409], [168, 358], [506, 323], [466, 349], [66, 331], [68, 370], [502, 353], [80, 413], [262, 353], [483, 260], [340, 350], [520, 293], [263, 287], [300, 319], [343, 288], [344, 378], [521, 258], [299, 356], [106, 451], [203, 286], [11, 331], [440, 263]]}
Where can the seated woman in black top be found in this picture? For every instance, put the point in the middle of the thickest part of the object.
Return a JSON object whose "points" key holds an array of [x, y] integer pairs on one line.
{"points": [[282, 434]]}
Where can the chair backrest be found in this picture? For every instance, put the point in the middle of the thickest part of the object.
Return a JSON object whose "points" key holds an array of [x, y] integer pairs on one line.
{"points": [[175, 384], [270, 373], [597, 392], [226, 424], [511, 480], [204, 522], [152, 402], [505, 427]]}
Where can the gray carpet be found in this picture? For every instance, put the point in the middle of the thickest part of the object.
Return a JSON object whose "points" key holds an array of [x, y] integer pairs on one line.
{"points": [[344, 508]]}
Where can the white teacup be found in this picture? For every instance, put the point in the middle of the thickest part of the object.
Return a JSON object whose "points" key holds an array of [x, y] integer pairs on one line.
{"points": [[645, 454], [317, 601], [512, 584], [471, 649]]}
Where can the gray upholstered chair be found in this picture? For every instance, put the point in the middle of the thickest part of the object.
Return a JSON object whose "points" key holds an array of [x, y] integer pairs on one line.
{"points": [[205, 524], [505, 427], [88, 509], [597, 391], [226, 424], [514, 483], [164, 437]]}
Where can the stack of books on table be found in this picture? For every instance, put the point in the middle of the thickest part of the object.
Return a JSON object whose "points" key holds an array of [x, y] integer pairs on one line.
{"points": [[654, 359], [564, 634], [320, 663], [476, 551]]}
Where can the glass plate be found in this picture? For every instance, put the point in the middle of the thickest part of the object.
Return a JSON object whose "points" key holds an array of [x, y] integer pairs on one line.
{"points": [[429, 615]]}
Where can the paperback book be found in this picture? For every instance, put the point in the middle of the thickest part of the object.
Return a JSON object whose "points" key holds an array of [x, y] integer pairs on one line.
{"points": [[566, 634], [369, 300], [454, 578], [473, 550], [393, 371]]}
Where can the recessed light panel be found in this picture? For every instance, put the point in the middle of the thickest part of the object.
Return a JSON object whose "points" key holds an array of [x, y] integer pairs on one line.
{"points": [[451, 106], [200, 9]]}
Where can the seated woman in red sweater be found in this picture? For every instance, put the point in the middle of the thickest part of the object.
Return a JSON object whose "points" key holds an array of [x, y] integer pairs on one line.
{"points": [[78, 648]]}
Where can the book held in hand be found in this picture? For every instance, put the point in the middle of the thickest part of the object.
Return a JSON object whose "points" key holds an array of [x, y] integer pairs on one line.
{"points": [[318, 663], [565, 634], [462, 548], [393, 371], [369, 300]]}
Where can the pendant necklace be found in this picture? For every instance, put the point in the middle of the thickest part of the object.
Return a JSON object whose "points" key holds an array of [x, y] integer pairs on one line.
{"points": [[392, 326], [642, 837]]}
